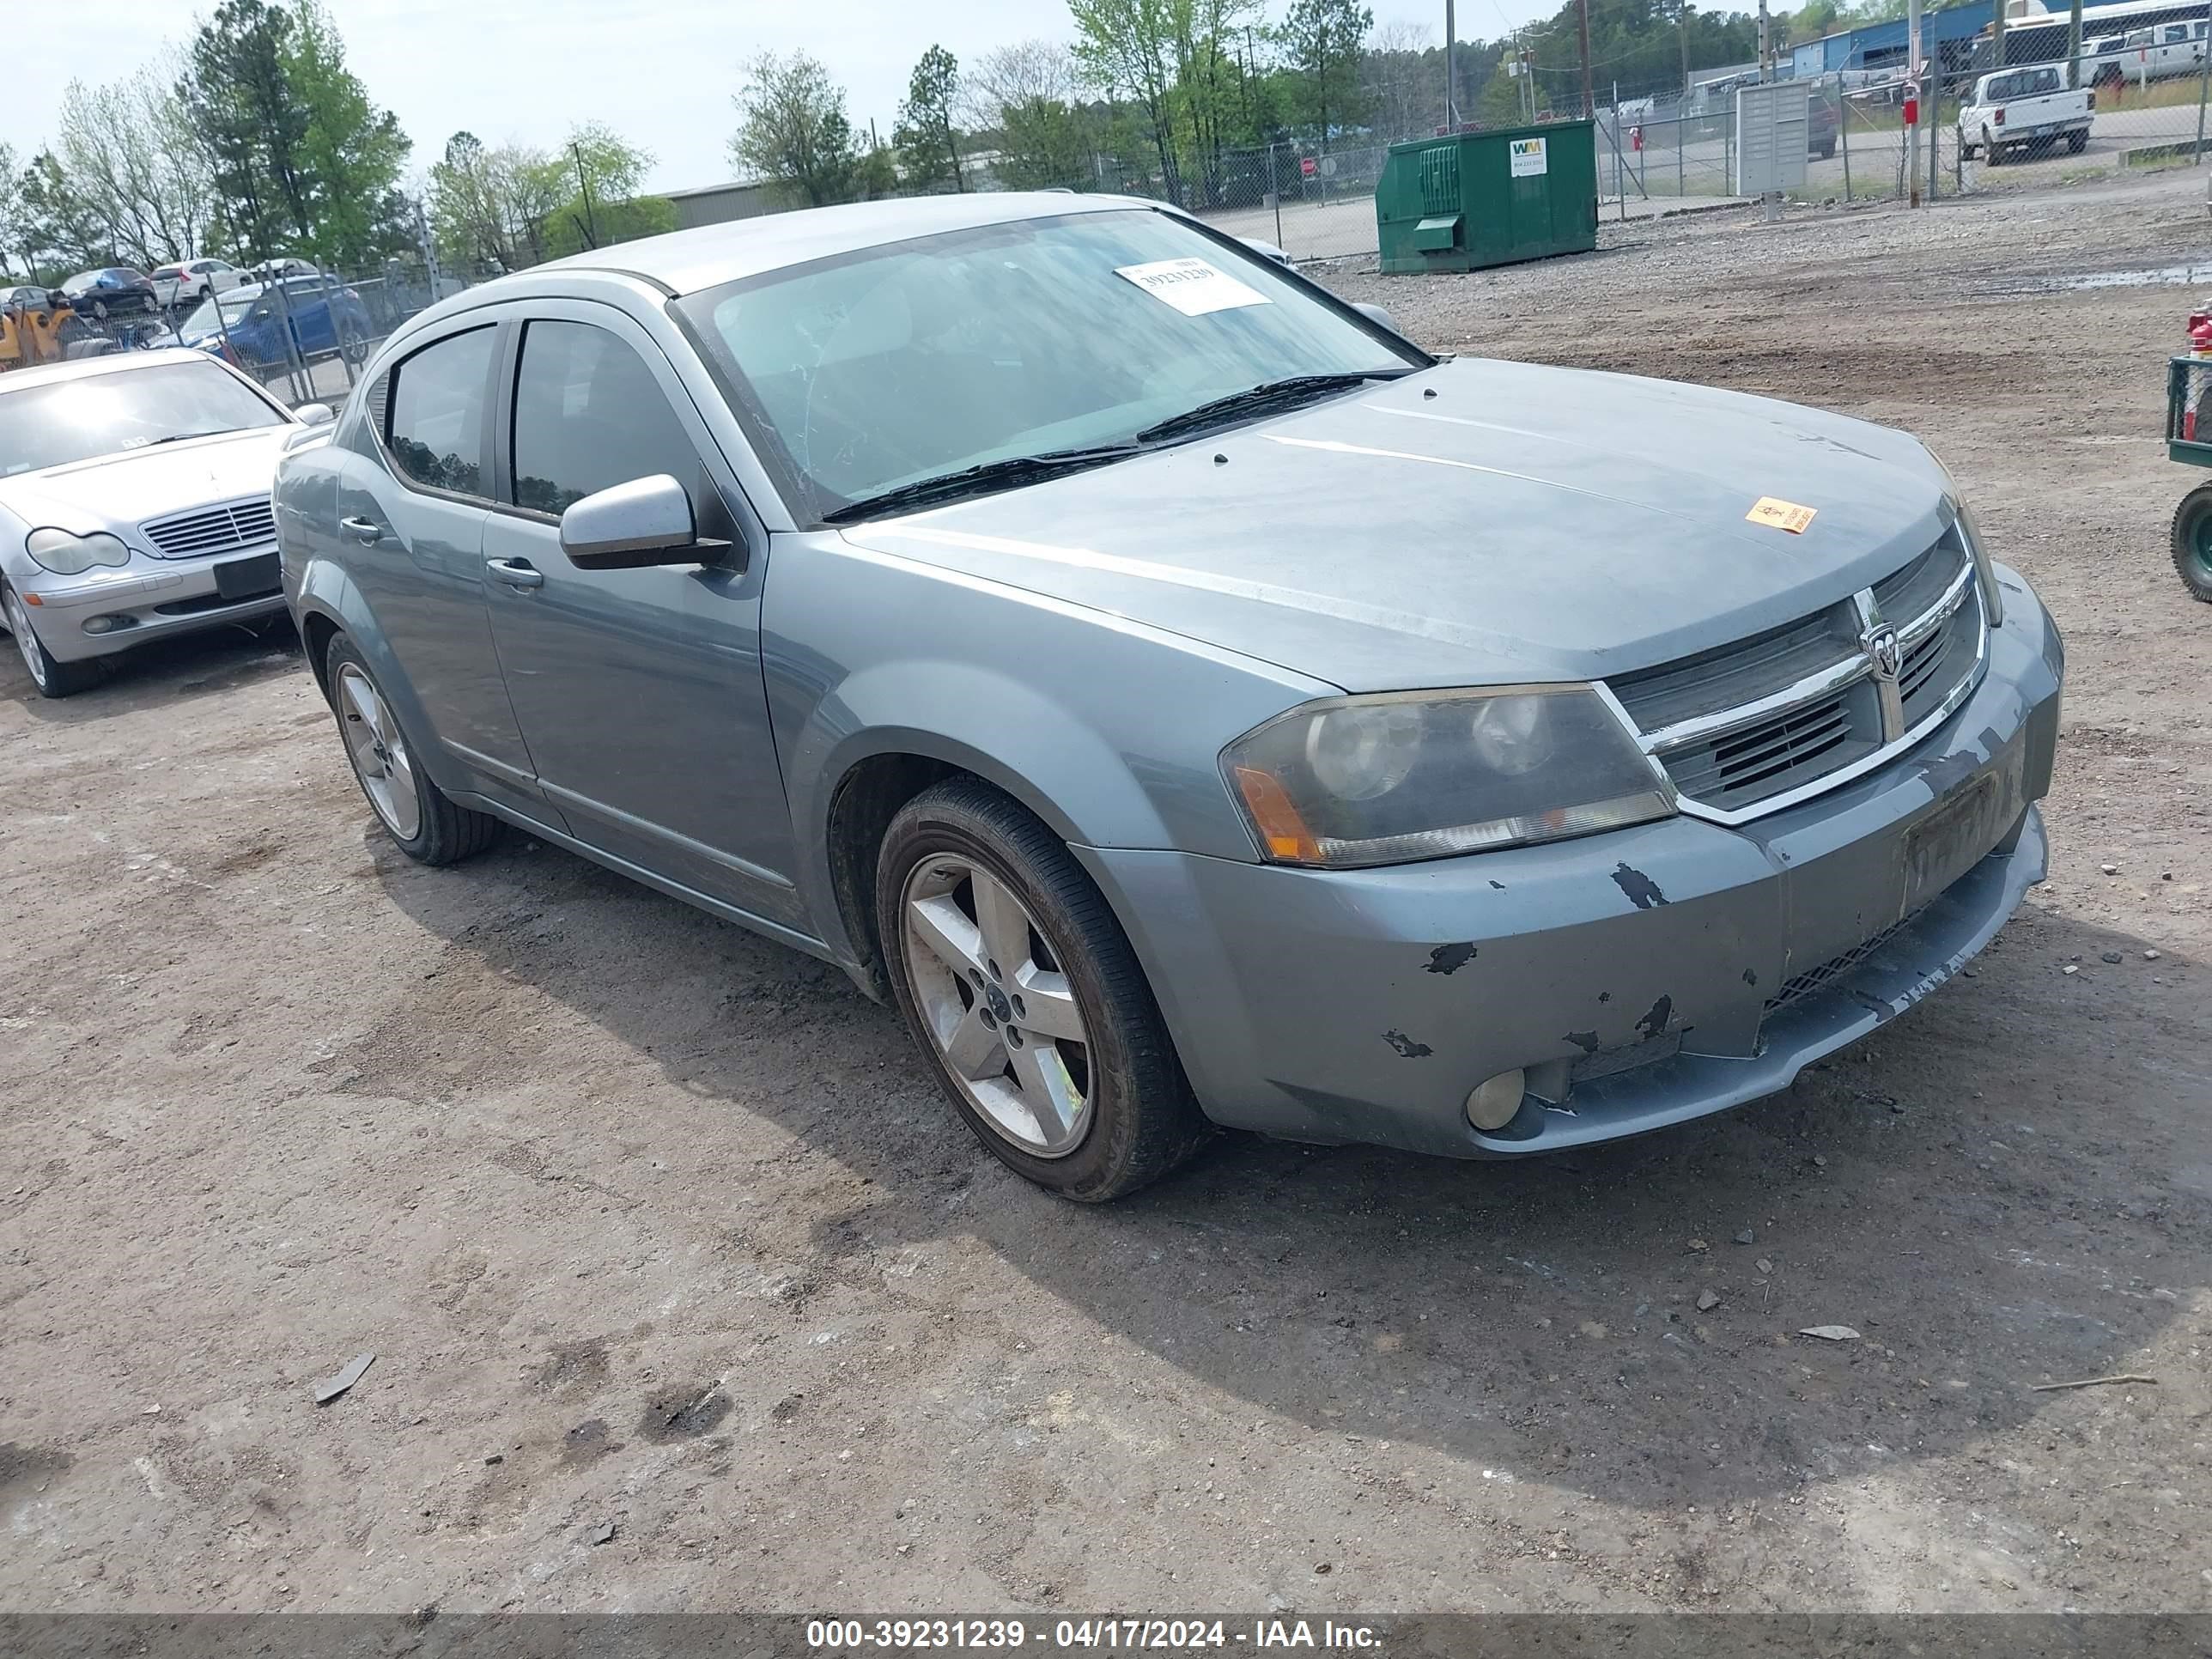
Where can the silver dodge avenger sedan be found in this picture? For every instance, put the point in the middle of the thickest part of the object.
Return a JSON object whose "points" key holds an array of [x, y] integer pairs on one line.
{"points": [[1190, 703]]}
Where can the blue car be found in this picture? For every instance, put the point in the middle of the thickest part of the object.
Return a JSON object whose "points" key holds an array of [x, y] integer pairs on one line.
{"points": [[246, 325]]}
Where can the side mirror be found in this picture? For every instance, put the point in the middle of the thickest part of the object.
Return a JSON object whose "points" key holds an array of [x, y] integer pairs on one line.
{"points": [[1375, 314], [1265, 250], [314, 414], [647, 521]]}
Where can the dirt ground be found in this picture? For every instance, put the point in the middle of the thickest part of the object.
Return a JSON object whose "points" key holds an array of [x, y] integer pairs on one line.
{"points": [[653, 1225]]}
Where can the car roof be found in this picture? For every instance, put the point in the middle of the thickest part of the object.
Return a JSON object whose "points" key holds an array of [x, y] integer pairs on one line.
{"points": [[685, 261], [118, 362]]}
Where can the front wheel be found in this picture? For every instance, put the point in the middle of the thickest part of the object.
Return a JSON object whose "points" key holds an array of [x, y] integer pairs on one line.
{"points": [[1020, 988], [53, 679], [422, 821], [2192, 542]]}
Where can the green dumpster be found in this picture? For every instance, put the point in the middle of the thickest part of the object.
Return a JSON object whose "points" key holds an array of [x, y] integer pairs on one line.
{"points": [[1473, 199]]}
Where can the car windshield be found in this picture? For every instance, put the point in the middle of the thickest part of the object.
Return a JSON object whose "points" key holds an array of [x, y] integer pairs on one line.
{"points": [[860, 374], [113, 413]]}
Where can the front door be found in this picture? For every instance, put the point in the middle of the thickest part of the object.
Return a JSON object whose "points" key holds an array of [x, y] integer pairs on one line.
{"points": [[413, 498], [639, 691]]}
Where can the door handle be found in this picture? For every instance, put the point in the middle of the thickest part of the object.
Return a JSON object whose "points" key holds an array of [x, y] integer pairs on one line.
{"points": [[515, 573], [367, 531]]}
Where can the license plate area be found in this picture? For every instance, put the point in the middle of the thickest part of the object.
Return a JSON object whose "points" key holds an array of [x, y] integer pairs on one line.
{"points": [[247, 578], [1951, 840]]}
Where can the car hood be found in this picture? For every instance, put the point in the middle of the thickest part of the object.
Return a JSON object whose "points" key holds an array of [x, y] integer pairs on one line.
{"points": [[114, 492], [1478, 523]]}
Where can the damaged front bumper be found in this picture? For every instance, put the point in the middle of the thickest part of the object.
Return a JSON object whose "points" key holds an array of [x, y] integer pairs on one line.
{"points": [[1638, 979]]}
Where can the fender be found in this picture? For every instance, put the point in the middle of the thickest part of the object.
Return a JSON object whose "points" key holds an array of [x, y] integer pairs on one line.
{"points": [[326, 591]]}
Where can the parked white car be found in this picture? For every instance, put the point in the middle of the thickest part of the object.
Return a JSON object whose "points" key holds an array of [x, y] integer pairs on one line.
{"points": [[134, 502], [2010, 112], [189, 281]]}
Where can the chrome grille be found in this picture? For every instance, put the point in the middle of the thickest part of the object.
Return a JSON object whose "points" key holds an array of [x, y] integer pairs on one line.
{"points": [[1755, 725], [212, 529]]}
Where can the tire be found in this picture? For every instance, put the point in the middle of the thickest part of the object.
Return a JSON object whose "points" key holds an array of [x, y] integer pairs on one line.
{"points": [[1119, 1112], [409, 806], [2077, 142], [1828, 150], [53, 679], [1995, 150], [2192, 542]]}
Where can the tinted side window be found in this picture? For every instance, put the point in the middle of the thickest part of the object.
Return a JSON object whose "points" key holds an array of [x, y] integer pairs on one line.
{"points": [[437, 413], [588, 414]]}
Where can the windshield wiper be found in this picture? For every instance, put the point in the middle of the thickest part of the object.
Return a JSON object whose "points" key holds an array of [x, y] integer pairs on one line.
{"points": [[980, 479], [1259, 400]]}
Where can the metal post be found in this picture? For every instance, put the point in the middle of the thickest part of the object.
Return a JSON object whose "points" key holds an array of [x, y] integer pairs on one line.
{"points": [[1451, 89], [1843, 132], [1582, 27], [337, 328], [2204, 86], [1275, 195], [1681, 182], [1912, 86]]}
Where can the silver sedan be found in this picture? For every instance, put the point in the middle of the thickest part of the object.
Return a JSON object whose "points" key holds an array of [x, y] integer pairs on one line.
{"points": [[134, 503], [1187, 701]]}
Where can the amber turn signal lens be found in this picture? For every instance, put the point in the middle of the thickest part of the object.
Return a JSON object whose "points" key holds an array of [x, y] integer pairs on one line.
{"points": [[1283, 830]]}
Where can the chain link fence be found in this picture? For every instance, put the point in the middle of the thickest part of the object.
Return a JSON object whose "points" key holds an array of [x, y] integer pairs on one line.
{"points": [[302, 330]]}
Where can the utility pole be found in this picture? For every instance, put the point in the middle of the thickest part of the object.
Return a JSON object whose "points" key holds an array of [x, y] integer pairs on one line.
{"points": [[591, 219], [1766, 43], [1997, 34], [1912, 92], [2073, 46], [1682, 30], [1451, 81], [1582, 26]]}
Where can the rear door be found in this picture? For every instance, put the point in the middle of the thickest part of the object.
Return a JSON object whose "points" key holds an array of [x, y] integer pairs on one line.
{"points": [[413, 495], [639, 691]]}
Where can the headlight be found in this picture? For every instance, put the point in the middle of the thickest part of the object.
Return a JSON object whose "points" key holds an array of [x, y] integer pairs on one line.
{"points": [[1970, 532], [1426, 774], [66, 555]]}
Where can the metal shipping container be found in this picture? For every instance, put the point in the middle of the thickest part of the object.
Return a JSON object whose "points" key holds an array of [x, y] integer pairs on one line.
{"points": [[1472, 199]]}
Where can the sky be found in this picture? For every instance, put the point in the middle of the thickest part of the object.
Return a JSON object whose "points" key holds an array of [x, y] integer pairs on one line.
{"points": [[661, 73]]}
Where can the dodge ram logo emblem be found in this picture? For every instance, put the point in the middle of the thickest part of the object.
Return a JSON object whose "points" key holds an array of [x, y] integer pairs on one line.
{"points": [[1881, 644]]}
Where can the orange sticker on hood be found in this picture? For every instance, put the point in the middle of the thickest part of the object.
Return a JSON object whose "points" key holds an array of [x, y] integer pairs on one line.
{"points": [[1782, 515]]}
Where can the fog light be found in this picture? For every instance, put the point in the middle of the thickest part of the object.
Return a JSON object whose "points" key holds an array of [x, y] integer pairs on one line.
{"points": [[1492, 1104], [109, 624]]}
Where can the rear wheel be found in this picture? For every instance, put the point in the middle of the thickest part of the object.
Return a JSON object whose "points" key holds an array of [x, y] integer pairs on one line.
{"points": [[1020, 988], [1995, 151], [53, 679], [2077, 142], [415, 813], [2192, 542]]}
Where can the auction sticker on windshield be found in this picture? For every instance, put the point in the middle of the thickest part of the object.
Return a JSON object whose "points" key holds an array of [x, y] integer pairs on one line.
{"points": [[1192, 286]]}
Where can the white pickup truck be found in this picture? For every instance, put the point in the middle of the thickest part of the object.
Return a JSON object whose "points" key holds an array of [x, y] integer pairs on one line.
{"points": [[2024, 109]]}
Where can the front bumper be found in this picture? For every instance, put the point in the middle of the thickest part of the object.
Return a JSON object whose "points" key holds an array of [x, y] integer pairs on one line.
{"points": [[156, 598], [1641, 978]]}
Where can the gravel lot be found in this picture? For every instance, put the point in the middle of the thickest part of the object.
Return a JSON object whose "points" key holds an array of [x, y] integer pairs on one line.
{"points": [[652, 1224]]}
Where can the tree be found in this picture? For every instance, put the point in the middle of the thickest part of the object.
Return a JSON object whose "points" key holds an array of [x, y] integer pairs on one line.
{"points": [[1126, 45], [1026, 93], [131, 157], [299, 156], [793, 130], [1400, 84], [241, 102], [599, 203], [61, 231], [927, 142], [1323, 39], [351, 151]]}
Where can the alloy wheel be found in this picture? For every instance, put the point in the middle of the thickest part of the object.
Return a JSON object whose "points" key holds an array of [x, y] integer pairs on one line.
{"points": [[19, 624], [379, 753], [997, 1004]]}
